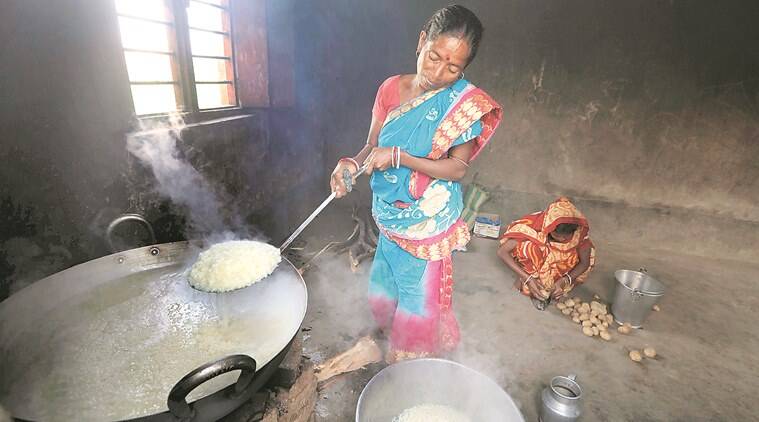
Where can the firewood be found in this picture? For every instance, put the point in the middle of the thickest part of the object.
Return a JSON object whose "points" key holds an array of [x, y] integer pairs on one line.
{"points": [[364, 352]]}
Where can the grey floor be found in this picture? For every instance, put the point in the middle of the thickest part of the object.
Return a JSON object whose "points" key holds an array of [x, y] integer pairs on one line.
{"points": [[706, 334]]}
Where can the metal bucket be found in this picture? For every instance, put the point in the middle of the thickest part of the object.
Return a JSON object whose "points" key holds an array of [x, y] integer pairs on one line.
{"points": [[636, 293]]}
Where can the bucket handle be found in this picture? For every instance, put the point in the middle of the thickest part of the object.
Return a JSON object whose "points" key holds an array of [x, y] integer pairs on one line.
{"points": [[636, 294]]}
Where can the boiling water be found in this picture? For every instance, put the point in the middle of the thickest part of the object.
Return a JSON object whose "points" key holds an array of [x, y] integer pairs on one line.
{"points": [[118, 351]]}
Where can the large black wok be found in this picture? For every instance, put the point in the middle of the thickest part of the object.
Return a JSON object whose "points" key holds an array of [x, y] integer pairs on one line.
{"points": [[111, 339]]}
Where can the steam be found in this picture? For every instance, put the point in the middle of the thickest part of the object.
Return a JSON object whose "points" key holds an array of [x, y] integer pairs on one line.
{"points": [[155, 145]]}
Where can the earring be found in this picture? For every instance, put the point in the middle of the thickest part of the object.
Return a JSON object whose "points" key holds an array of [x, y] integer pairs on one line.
{"points": [[462, 75]]}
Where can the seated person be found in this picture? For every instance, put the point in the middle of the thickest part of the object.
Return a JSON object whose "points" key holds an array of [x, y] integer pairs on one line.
{"points": [[550, 252]]}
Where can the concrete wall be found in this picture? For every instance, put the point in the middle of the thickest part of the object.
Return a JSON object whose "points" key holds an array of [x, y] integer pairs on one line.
{"points": [[647, 108], [64, 115]]}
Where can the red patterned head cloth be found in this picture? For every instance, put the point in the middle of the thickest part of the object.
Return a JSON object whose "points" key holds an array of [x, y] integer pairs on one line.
{"points": [[537, 226], [549, 261]]}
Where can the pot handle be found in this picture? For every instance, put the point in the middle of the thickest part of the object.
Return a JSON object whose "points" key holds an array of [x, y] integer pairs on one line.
{"points": [[128, 217], [177, 400]]}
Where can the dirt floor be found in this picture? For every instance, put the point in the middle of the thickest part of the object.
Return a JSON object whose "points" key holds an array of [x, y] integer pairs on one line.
{"points": [[705, 334]]}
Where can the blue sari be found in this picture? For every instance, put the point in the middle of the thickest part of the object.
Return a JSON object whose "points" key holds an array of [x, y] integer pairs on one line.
{"points": [[419, 219]]}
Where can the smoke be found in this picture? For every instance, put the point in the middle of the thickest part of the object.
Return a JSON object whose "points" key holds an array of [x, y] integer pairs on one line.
{"points": [[155, 145]]}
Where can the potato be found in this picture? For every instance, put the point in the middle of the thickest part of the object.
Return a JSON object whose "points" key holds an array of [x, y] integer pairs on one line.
{"points": [[577, 307], [624, 329], [605, 335], [656, 308], [650, 352], [561, 306], [584, 308], [605, 324], [635, 356], [596, 331], [570, 303], [595, 321], [587, 324], [574, 314], [587, 331], [594, 312], [576, 319], [603, 311], [609, 318], [584, 317], [566, 311]]}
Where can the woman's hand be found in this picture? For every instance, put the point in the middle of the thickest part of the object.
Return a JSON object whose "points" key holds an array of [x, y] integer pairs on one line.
{"points": [[560, 287], [336, 182], [380, 158], [532, 285]]}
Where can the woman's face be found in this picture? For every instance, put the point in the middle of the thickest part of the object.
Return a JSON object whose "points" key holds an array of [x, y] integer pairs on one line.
{"points": [[441, 61], [561, 238]]}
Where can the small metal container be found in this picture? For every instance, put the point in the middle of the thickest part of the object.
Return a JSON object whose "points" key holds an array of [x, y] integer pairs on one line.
{"points": [[561, 400]]}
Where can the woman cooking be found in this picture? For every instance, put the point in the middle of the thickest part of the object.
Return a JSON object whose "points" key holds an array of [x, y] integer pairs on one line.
{"points": [[550, 251], [425, 130]]}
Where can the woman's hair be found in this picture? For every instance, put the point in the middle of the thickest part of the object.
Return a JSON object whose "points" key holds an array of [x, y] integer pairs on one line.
{"points": [[565, 228], [459, 21]]}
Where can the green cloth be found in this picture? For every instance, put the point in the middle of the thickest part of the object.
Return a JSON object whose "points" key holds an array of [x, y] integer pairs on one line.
{"points": [[474, 197]]}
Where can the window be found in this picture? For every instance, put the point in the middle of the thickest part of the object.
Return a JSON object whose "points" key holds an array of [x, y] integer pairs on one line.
{"points": [[179, 54]]}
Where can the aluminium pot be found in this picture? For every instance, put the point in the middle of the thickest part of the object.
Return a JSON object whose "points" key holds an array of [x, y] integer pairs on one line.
{"points": [[410, 383], [125, 337]]}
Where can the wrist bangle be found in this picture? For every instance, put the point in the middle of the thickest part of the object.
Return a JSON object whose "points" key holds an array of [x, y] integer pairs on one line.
{"points": [[350, 160], [398, 158], [569, 277]]}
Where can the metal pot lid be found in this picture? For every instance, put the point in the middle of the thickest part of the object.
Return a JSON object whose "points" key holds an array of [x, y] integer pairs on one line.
{"points": [[108, 339]]}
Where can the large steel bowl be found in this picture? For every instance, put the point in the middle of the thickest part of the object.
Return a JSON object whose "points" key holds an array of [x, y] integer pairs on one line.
{"points": [[434, 381], [111, 338]]}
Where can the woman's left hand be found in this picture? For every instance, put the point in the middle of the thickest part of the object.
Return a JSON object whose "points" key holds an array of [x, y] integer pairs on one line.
{"points": [[380, 158]]}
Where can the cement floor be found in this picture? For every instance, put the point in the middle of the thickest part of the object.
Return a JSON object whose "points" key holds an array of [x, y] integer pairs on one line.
{"points": [[705, 335]]}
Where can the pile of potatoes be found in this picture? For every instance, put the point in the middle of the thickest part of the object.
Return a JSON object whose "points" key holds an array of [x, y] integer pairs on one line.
{"points": [[593, 316]]}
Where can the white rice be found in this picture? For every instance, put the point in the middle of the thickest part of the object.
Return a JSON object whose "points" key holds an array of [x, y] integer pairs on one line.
{"points": [[431, 413], [233, 265]]}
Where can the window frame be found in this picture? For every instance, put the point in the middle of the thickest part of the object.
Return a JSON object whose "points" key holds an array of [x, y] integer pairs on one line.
{"points": [[187, 96]]}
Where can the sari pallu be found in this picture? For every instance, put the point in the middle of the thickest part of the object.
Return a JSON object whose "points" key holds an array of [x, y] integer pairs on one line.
{"points": [[549, 260], [419, 218]]}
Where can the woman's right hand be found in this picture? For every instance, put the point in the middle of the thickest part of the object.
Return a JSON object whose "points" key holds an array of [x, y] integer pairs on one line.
{"points": [[535, 291], [336, 182]]}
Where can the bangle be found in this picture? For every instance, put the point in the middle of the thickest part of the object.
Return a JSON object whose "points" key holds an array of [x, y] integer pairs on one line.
{"points": [[569, 277], [398, 157], [392, 157], [350, 160], [459, 160]]}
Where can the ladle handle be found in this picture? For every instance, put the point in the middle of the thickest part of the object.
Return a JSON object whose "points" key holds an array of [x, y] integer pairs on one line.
{"points": [[177, 400]]}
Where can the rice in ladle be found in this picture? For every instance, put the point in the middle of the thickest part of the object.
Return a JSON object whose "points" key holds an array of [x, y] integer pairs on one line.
{"points": [[233, 265]]}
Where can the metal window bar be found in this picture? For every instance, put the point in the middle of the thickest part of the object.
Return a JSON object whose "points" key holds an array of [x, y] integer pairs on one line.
{"points": [[154, 82], [140, 18], [198, 56], [212, 31], [139, 50], [207, 3]]}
